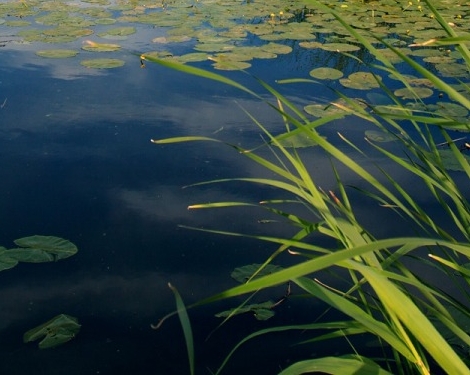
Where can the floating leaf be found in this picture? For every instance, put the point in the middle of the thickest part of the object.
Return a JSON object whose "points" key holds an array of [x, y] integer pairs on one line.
{"points": [[300, 140], [360, 81], [38, 249], [322, 110], [380, 136], [118, 32], [415, 92], [243, 274], [339, 47], [56, 331], [231, 65], [57, 53], [102, 63], [326, 73], [6, 262], [261, 311], [449, 160], [100, 47]]}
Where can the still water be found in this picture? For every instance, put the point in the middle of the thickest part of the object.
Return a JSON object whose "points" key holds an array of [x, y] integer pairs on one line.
{"points": [[76, 161]]}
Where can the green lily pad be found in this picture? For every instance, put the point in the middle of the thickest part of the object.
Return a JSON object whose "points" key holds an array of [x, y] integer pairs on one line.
{"points": [[261, 311], [243, 274], [100, 47], [339, 47], [322, 110], [6, 262], [379, 136], [231, 65], [54, 332], [299, 140], [57, 53], [360, 81], [326, 73], [38, 249], [102, 63], [450, 162], [118, 32], [415, 92]]}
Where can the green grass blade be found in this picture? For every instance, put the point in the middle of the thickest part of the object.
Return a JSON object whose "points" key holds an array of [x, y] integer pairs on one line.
{"points": [[336, 366], [186, 325]]}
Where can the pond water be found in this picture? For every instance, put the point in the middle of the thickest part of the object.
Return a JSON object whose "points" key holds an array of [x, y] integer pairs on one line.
{"points": [[76, 161]]}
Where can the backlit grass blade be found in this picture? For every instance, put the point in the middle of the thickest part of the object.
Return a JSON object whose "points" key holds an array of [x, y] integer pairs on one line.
{"points": [[337, 366], [415, 321], [186, 325]]}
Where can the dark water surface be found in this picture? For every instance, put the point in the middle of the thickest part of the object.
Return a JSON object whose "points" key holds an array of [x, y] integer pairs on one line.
{"points": [[76, 162]]}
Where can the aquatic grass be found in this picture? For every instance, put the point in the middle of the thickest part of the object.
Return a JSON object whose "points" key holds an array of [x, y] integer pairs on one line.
{"points": [[385, 298]]}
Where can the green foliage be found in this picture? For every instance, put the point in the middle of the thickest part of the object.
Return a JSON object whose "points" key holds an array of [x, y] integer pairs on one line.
{"points": [[36, 249], [416, 321], [54, 332]]}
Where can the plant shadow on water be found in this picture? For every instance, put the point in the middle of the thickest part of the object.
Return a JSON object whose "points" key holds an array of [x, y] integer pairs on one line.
{"points": [[76, 161]]}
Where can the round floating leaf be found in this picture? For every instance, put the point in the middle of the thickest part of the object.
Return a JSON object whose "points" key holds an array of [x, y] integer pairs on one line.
{"points": [[415, 92], [450, 162], [360, 81], [379, 136], [277, 48], [100, 47], [322, 110], [57, 53], [326, 73], [243, 274], [261, 311], [118, 32], [339, 47], [300, 140], [6, 262], [102, 63], [38, 249], [231, 65], [452, 110], [54, 332]]}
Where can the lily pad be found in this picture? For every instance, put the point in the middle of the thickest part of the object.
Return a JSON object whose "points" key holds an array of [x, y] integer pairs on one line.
{"points": [[231, 65], [415, 92], [38, 249], [360, 81], [379, 136], [102, 63], [261, 311], [6, 262], [243, 274], [450, 162], [117, 32], [54, 332], [300, 140], [100, 47], [326, 73], [57, 53]]}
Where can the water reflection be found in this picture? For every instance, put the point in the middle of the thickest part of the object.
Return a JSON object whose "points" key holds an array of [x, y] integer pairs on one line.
{"points": [[76, 161]]}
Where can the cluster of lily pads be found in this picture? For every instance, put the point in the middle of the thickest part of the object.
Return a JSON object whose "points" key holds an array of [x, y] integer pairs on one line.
{"points": [[233, 34], [40, 249], [229, 33]]}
